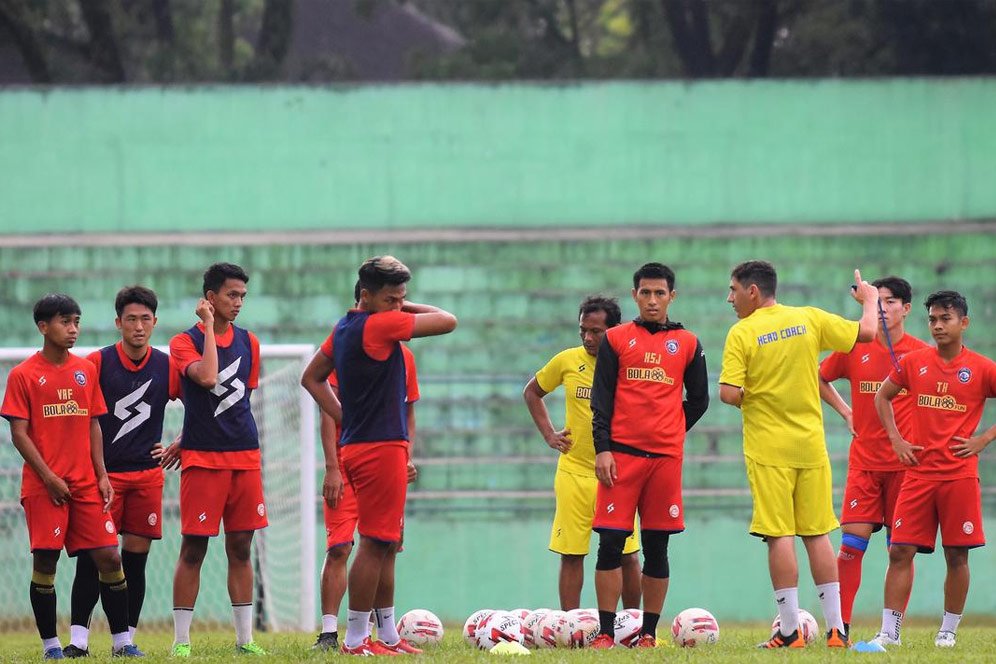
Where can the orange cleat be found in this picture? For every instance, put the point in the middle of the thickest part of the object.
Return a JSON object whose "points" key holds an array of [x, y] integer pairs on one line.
{"points": [[402, 647], [602, 642], [646, 641], [367, 648], [793, 640], [837, 639]]}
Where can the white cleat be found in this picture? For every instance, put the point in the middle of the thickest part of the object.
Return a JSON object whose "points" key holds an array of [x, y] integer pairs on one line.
{"points": [[884, 640], [945, 639]]}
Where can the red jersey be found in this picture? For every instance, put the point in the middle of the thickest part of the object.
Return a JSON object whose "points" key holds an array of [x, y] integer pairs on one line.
{"points": [[866, 366], [58, 403], [949, 398]]}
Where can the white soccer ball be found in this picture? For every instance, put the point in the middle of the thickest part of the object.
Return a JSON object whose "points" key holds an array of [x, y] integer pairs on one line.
{"points": [[421, 627], [808, 627], [521, 614], [530, 626], [582, 628], [470, 627], [694, 627], [546, 633], [499, 627], [627, 627]]}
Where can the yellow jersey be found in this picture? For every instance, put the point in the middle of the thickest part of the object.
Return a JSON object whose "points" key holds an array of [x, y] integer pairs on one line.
{"points": [[773, 354], [573, 368]]}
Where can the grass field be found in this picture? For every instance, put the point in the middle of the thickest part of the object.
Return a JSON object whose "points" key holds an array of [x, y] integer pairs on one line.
{"points": [[975, 644]]}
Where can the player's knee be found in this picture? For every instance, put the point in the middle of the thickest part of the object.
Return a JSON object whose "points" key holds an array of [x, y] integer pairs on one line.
{"points": [[106, 560], [340, 552], [655, 562], [901, 554], [193, 550], [956, 557], [44, 562], [610, 548]]}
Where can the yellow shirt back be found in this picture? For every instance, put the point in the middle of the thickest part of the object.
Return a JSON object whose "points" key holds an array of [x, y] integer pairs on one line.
{"points": [[773, 354], [573, 368]]}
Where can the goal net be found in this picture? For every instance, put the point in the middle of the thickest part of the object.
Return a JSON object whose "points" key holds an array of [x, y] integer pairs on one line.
{"points": [[284, 554]]}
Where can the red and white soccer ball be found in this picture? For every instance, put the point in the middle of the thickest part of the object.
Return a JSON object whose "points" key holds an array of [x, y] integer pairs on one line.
{"points": [[694, 627], [808, 627], [499, 627], [421, 627], [521, 614], [582, 628], [627, 627], [470, 627], [547, 633], [530, 626]]}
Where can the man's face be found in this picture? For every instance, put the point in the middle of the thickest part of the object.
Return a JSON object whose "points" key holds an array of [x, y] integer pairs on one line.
{"points": [[61, 331], [228, 300], [135, 324], [388, 298], [946, 325], [592, 328], [894, 308], [653, 297], [742, 298]]}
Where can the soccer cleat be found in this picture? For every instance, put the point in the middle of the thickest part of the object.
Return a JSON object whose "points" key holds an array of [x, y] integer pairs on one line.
{"points": [[327, 641], [602, 642], [249, 649], [55, 652], [129, 650], [945, 639], [793, 640], [837, 639], [884, 639], [402, 647], [646, 641], [180, 650], [367, 648], [73, 652]]}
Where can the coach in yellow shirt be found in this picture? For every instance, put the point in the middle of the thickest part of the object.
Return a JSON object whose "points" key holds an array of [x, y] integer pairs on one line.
{"points": [[770, 364], [575, 485]]}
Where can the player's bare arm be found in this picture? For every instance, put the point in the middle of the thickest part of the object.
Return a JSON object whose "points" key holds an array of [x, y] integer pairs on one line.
{"points": [[332, 484], [57, 488], [732, 395], [533, 395], [867, 296], [883, 406], [832, 398], [412, 470], [204, 371], [430, 321], [966, 447], [97, 458], [315, 379]]}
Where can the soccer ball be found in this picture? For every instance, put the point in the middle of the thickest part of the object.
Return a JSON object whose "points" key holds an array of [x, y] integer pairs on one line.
{"points": [[470, 627], [421, 627], [808, 627], [694, 627], [546, 633], [582, 628], [530, 625], [498, 627], [627, 627], [521, 614]]}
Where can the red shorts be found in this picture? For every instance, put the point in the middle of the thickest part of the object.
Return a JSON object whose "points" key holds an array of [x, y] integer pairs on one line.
{"points": [[954, 505], [651, 486], [870, 497], [340, 523], [208, 495], [137, 508], [379, 475], [78, 525]]}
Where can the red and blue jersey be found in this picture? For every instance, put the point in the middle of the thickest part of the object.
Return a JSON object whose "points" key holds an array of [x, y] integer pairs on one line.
{"points": [[136, 397]]}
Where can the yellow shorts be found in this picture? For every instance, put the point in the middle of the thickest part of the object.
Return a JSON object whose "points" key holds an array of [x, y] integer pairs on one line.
{"points": [[791, 501], [571, 532]]}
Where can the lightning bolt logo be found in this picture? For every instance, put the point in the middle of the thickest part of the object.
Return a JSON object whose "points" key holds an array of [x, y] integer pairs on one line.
{"points": [[237, 387], [126, 408]]}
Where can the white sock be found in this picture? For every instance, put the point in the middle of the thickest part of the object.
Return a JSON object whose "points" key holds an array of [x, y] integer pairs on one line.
{"points": [[357, 628], [950, 622], [79, 636], [131, 630], [387, 631], [330, 623], [787, 600], [120, 640], [51, 643], [891, 622], [181, 624], [830, 599], [243, 623]]}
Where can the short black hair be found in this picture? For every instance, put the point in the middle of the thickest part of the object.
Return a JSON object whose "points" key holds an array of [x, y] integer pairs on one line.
{"points": [[654, 271], [757, 273], [593, 303], [380, 271], [135, 295], [898, 286], [947, 299], [356, 291], [215, 276], [55, 304]]}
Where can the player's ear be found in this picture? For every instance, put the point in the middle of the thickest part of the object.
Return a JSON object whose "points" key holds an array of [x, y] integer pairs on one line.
{"points": [[964, 322], [117, 322]]}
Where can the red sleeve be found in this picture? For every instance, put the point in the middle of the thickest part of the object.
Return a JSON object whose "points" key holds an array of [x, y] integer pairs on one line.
{"points": [[326, 347], [16, 401], [992, 380], [411, 375], [94, 359], [834, 367], [174, 379], [97, 405], [183, 351], [899, 377], [334, 380], [385, 329], [254, 371]]}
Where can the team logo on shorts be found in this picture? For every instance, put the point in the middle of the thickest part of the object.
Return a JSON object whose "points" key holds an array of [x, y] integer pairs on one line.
{"points": [[260, 509], [968, 527], [671, 346], [109, 526], [854, 503], [964, 374], [153, 519], [57, 531], [610, 508], [674, 511], [80, 377], [202, 517], [899, 522]]}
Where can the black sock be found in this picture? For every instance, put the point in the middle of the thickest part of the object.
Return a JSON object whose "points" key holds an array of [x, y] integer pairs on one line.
{"points": [[43, 604], [134, 569], [86, 590], [114, 599], [650, 623], [607, 621]]}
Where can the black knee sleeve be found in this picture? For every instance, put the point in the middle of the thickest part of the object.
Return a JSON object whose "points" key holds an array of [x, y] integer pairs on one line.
{"points": [[655, 562], [610, 548]]}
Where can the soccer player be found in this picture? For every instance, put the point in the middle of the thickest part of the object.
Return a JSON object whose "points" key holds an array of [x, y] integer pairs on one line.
{"points": [[138, 381], [340, 515], [364, 349], [949, 386], [221, 476], [52, 402], [639, 420], [874, 472], [574, 484], [770, 372]]}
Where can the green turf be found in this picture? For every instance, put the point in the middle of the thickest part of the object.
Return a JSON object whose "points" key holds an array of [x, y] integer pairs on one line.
{"points": [[975, 644]]}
